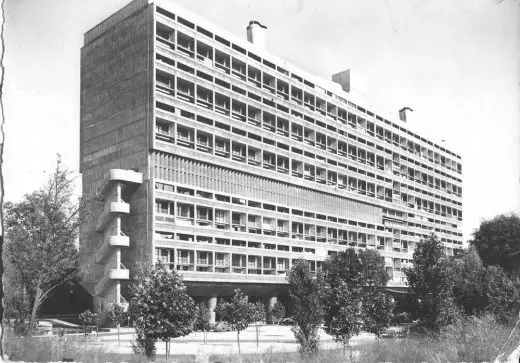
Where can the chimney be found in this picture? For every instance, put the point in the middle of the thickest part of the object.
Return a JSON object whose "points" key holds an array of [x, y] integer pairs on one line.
{"points": [[257, 34], [404, 113], [343, 78]]}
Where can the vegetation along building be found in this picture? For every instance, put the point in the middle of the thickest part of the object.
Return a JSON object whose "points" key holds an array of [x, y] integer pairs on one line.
{"points": [[226, 163]]}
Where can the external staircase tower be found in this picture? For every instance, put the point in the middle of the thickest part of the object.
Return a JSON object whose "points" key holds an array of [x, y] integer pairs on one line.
{"points": [[111, 223]]}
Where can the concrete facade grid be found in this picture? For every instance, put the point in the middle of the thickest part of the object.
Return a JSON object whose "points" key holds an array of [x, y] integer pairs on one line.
{"points": [[247, 163]]}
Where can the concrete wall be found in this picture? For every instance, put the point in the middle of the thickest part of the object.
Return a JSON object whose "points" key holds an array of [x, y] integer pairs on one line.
{"points": [[116, 111]]}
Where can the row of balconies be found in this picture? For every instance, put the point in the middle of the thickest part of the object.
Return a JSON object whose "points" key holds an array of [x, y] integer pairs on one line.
{"points": [[307, 171], [222, 148], [223, 217], [232, 264], [281, 126], [325, 108], [276, 86]]}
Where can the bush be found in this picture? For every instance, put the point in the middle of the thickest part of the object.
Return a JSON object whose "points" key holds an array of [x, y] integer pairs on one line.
{"points": [[145, 343], [401, 318], [477, 339], [470, 339]]}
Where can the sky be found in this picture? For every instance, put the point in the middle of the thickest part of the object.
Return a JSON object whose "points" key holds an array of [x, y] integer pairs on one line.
{"points": [[456, 63]]}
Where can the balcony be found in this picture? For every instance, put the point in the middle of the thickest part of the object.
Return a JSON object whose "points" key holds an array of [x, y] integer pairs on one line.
{"points": [[122, 175], [111, 275], [111, 208], [110, 242]]}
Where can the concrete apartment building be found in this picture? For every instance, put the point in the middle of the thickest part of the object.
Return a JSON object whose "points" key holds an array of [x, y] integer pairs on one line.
{"points": [[204, 151]]}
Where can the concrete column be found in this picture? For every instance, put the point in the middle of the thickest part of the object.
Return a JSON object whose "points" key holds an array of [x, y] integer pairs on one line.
{"points": [[269, 305], [118, 292], [212, 304], [118, 258], [118, 192], [118, 226]]}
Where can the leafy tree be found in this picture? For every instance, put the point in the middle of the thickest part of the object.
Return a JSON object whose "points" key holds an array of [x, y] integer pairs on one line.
{"points": [[240, 313], [342, 300], [376, 312], [278, 312], [118, 314], [16, 302], [373, 269], [306, 290], [352, 280], [41, 230], [502, 293], [258, 310], [162, 307], [202, 319], [222, 310], [496, 238], [87, 319], [431, 285], [345, 267], [343, 319], [468, 274], [478, 289]]}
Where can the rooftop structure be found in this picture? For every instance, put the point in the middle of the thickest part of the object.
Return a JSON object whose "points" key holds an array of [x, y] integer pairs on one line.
{"points": [[226, 163]]}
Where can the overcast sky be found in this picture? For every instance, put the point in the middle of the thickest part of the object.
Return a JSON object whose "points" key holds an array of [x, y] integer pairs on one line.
{"points": [[456, 63]]}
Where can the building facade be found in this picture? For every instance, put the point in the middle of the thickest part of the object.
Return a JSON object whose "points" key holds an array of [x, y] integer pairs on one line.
{"points": [[226, 163]]}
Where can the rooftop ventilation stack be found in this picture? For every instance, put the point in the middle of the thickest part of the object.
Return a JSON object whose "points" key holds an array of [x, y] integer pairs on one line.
{"points": [[405, 114], [343, 78], [257, 34]]}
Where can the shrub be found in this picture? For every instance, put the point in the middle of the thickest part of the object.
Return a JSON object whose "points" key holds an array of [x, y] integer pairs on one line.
{"points": [[470, 339], [145, 343], [278, 313]]}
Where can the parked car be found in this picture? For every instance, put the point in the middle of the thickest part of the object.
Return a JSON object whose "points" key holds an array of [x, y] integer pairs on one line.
{"points": [[220, 327], [40, 328], [287, 321]]}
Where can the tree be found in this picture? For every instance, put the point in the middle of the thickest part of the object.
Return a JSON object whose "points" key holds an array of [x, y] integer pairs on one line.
{"points": [[240, 313], [202, 319], [162, 307], [306, 290], [376, 312], [342, 300], [373, 269], [502, 293], [343, 318], [16, 302], [118, 314], [278, 312], [468, 274], [477, 289], [222, 311], [87, 319], [41, 230], [352, 279], [344, 267], [258, 315], [431, 285], [496, 239]]}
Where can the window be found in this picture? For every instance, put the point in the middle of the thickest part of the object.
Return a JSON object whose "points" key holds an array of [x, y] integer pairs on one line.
{"points": [[164, 207], [185, 210], [165, 256]]}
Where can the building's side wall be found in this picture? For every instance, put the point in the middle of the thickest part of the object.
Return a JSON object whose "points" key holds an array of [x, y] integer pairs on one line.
{"points": [[116, 76]]}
